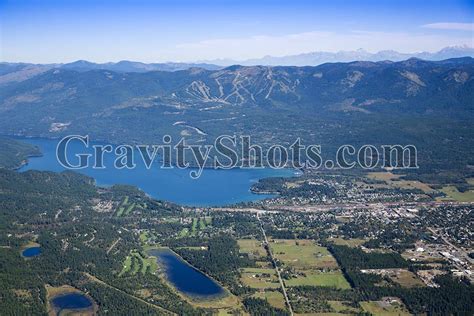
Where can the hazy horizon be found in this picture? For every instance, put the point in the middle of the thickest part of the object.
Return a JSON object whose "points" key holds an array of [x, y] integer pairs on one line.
{"points": [[184, 31]]}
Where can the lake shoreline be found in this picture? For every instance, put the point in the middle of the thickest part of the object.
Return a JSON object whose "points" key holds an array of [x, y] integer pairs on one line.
{"points": [[195, 299], [213, 188], [55, 292]]}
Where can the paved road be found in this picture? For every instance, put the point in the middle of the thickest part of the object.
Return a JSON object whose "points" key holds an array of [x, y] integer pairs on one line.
{"points": [[326, 207], [464, 254], [276, 267]]}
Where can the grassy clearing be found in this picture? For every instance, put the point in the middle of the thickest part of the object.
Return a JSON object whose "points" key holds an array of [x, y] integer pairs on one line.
{"points": [[381, 308], [193, 247], [394, 180], [313, 264], [136, 263], [304, 254], [52, 292], [194, 226], [198, 223], [150, 265], [202, 224], [453, 193], [30, 244], [170, 220], [144, 236], [343, 307], [407, 279], [184, 232], [274, 298], [119, 211], [252, 246], [313, 278], [226, 302], [127, 264], [353, 242], [129, 209], [124, 208], [258, 278]]}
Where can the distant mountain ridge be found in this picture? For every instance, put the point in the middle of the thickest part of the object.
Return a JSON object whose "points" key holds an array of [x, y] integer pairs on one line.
{"points": [[134, 66], [321, 57], [64, 96], [19, 71], [425, 103]]}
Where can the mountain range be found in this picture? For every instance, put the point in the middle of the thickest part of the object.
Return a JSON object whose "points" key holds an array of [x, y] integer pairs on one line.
{"points": [[307, 59], [321, 57], [427, 103]]}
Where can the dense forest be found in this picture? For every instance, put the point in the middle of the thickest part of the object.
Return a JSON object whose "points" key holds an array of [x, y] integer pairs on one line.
{"points": [[56, 211], [14, 153], [452, 297]]}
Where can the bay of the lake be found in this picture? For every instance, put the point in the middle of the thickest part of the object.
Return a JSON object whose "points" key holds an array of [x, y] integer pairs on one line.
{"points": [[213, 188]]}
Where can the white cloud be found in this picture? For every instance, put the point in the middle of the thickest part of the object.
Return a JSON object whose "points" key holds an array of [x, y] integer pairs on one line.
{"points": [[450, 26]]}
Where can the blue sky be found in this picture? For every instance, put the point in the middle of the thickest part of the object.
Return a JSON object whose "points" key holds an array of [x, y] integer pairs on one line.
{"points": [[45, 31]]}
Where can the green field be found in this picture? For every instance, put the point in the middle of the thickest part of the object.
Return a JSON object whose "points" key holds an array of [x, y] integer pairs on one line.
{"points": [[252, 246], [135, 263], [304, 254], [259, 278], [275, 298], [144, 236], [453, 193], [407, 279], [310, 261], [204, 222], [194, 226], [352, 242], [184, 232], [343, 307], [119, 211], [129, 209], [377, 308], [197, 224], [124, 208], [333, 279]]}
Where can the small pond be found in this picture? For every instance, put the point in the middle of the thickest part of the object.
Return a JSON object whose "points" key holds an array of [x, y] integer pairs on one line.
{"points": [[31, 252], [70, 301]]}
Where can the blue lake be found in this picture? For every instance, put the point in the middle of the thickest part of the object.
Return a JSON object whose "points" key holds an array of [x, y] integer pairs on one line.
{"points": [[70, 301], [31, 252], [184, 277], [213, 188]]}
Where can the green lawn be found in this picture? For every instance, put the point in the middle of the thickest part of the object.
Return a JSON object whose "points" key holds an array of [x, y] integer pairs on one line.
{"points": [[135, 263], [252, 246], [453, 193], [129, 209], [260, 278], [194, 226], [122, 207], [339, 307], [334, 279], [302, 254], [202, 223], [144, 236], [274, 298], [379, 309], [184, 232], [352, 242], [126, 265]]}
